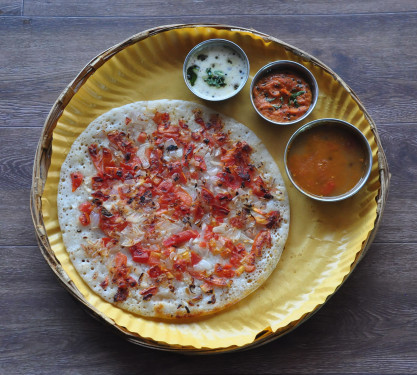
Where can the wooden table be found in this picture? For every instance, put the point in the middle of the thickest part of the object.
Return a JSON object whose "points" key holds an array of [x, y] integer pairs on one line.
{"points": [[368, 326]]}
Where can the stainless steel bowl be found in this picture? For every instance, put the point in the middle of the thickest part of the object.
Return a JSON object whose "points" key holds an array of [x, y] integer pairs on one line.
{"points": [[217, 42], [331, 122], [287, 66]]}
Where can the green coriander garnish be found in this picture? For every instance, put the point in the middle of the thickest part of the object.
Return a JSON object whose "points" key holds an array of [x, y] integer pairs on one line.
{"points": [[215, 78], [293, 98], [192, 74], [298, 93], [276, 107]]}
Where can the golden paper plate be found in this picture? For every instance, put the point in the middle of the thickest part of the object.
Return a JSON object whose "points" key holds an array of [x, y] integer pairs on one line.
{"points": [[326, 241]]}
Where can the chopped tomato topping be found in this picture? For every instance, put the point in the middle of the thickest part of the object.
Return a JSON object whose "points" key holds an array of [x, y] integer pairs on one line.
{"points": [[194, 175], [164, 187], [128, 120], [166, 202], [107, 159], [250, 262], [168, 131], [259, 189], [198, 119], [120, 261], [262, 239], [161, 118], [239, 155], [237, 222], [121, 277], [121, 294], [221, 138], [127, 167], [224, 271], [105, 283], [101, 160], [215, 122], [84, 219], [95, 157], [200, 163], [195, 258], [155, 162], [229, 180], [142, 137], [99, 196], [156, 180], [238, 253], [220, 210], [99, 183], [224, 197], [175, 170], [182, 124], [183, 196], [196, 136], [273, 219], [139, 254], [164, 127], [154, 271], [86, 207], [166, 252], [209, 234], [179, 238], [207, 196], [111, 224], [180, 265], [122, 142], [149, 292], [197, 211], [199, 275], [188, 154], [106, 240], [154, 258], [212, 244], [76, 180], [124, 192], [114, 173], [216, 281]]}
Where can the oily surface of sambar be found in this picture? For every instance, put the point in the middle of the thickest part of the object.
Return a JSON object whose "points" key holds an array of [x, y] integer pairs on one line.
{"points": [[326, 160]]}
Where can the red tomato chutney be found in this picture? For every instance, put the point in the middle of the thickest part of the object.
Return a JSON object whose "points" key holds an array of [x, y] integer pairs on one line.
{"points": [[326, 161], [282, 96]]}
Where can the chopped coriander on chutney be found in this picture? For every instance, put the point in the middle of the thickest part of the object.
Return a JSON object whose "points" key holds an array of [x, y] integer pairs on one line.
{"points": [[192, 74], [222, 70], [284, 88], [215, 78]]}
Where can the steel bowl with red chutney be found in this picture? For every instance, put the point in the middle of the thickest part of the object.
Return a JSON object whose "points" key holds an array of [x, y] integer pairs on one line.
{"points": [[284, 92]]}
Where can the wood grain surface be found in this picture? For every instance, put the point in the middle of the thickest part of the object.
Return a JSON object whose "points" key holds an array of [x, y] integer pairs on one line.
{"points": [[368, 326]]}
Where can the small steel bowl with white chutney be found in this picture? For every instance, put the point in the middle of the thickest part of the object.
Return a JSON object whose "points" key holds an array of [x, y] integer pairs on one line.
{"points": [[216, 69]]}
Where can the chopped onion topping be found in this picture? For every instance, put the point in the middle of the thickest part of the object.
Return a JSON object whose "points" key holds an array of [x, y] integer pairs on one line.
{"points": [[94, 219], [202, 265], [142, 156]]}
